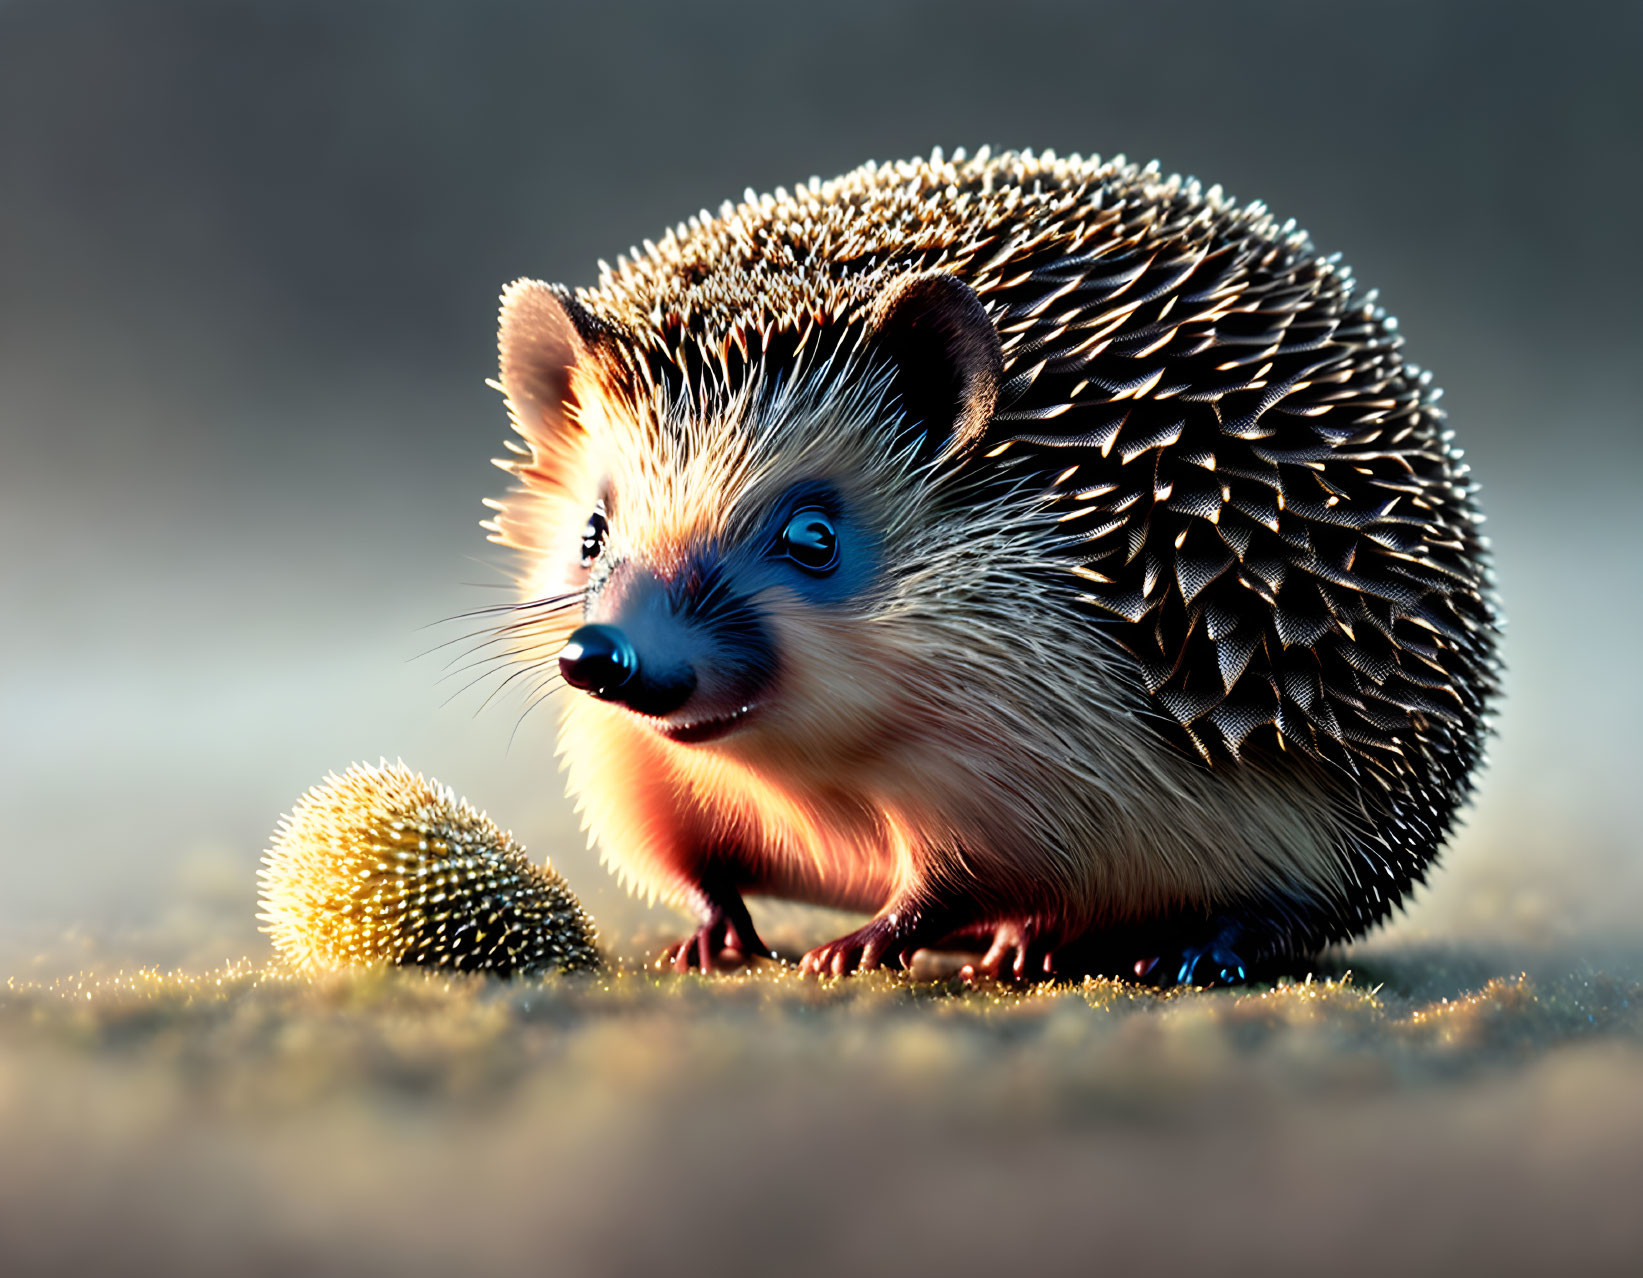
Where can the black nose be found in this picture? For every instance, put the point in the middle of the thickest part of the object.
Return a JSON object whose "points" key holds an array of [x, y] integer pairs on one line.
{"points": [[598, 659]]}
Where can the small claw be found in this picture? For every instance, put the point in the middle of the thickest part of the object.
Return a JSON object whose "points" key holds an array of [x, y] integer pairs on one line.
{"points": [[1019, 954], [825, 960], [817, 961], [992, 962], [879, 944], [683, 954]]}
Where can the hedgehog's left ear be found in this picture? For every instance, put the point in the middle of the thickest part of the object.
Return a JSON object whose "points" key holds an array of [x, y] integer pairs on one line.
{"points": [[545, 337], [935, 331]]}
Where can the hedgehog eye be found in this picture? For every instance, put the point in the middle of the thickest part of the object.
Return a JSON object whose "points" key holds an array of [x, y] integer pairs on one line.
{"points": [[593, 536], [811, 541]]}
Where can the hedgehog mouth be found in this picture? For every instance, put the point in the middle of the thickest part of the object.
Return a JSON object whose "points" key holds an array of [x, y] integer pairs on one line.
{"points": [[709, 729]]}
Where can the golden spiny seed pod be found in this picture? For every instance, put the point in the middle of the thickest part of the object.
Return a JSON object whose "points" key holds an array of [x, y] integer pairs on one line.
{"points": [[381, 865]]}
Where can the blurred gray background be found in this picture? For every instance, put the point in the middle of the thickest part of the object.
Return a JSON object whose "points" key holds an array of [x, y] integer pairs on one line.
{"points": [[249, 259]]}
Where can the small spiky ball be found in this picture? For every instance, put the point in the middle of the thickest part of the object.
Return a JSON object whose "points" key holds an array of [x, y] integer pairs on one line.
{"points": [[381, 865]]}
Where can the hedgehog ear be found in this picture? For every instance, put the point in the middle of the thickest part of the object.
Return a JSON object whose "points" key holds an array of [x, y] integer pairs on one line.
{"points": [[948, 363], [546, 335]]}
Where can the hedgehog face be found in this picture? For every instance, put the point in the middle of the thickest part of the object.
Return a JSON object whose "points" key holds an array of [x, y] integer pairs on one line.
{"points": [[678, 630], [728, 541], [724, 549]]}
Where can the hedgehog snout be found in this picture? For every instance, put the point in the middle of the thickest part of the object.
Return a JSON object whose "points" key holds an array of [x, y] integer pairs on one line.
{"points": [[598, 659], [634, 650], [603, 661], [687, 649]]}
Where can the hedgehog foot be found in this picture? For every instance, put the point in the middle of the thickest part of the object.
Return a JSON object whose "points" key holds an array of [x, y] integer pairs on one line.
{"points": [[1022, 950], [1210, 965], [887, 941], [1214, 963], [725, 940]]}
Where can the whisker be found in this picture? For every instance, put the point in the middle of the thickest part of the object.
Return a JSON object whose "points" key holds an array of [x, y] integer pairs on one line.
{"points": [[500, 631], [546, 616], [492, 566], [524, 640], [480, 658], [499, 650], [521, 671], [494, 665], [491, 610], [472, 634], [526, 653], [548, 687], [492, 659]]}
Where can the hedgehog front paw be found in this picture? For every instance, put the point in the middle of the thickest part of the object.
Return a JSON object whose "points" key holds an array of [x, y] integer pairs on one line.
{"points": [[863, 950], [887, 941], [1022, 950], [723, 942]]}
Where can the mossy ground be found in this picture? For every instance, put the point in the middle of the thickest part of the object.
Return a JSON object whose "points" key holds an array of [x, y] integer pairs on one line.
{"points": [[1426, 1109]]}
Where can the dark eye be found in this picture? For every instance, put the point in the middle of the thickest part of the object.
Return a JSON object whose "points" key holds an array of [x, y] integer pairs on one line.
{"points": [[811, 541], [593, 536]]}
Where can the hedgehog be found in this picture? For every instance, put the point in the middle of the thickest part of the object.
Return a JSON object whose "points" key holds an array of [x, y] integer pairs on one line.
{"points": [[380, 865], [1046, 557]]}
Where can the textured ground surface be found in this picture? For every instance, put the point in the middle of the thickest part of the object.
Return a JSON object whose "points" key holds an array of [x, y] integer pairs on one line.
{"points": [[1430, 1110]]}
